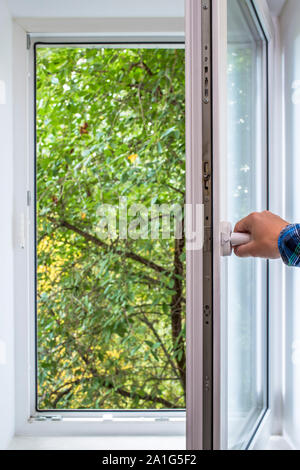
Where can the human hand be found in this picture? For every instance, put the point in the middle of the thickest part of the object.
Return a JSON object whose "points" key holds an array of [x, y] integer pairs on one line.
{"points": [[264, 228]]}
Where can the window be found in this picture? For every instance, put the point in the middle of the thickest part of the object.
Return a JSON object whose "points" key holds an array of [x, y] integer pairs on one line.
{"points": [[227, 308], [110, 176], [103, 145], [246, 280]]}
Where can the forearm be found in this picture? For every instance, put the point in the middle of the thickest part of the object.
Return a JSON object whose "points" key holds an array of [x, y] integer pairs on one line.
{"points": [[289, 245]]}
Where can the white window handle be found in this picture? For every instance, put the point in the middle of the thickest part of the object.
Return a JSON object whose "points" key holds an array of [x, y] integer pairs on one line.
{"points": [[229, 239]]}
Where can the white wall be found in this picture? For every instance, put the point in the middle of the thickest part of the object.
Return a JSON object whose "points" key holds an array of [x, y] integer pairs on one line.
{"points": [[276, 6], [98, 16], [6, 232], [96, 8], [290, 31]]}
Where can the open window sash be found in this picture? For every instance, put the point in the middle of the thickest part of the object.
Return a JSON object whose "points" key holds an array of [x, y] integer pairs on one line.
{"points": [[227, 154]]}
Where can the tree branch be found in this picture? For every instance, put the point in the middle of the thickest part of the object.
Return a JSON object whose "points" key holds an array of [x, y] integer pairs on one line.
{"points": [[176, 308], [121, 391], [150, 325], [63, 393], [96, 241]]}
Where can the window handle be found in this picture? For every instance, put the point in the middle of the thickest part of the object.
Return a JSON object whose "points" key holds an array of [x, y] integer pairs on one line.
{"points": [[230, 240]]}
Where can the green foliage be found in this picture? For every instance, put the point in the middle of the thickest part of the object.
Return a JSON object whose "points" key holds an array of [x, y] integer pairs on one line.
{"points": [[111, 314]]}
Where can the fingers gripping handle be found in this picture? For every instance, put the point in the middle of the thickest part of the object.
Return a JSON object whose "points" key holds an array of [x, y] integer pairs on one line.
{"points": [[229, 239]]}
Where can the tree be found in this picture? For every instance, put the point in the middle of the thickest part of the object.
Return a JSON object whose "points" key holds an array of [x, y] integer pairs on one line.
{"points": [[111, 313]]}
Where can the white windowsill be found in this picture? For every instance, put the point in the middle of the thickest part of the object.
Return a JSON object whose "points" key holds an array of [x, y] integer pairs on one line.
{"points": [[118, 443], [279, 443], [99, 443]]}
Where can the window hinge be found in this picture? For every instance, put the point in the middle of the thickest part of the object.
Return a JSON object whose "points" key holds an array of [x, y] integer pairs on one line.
{"points": [[162, 418], [43, 418], [28, 41]]}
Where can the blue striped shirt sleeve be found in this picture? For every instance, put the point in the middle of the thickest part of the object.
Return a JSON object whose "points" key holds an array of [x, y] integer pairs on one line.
{"points": [[289, 245]]}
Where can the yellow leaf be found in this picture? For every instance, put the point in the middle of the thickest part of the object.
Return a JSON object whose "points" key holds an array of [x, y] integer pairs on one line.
{"points": [[83, 215], [133, 157]]}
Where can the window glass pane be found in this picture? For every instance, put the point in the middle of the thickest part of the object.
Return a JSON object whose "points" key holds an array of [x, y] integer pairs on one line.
{"points": [[110, 309], [246, 280]]}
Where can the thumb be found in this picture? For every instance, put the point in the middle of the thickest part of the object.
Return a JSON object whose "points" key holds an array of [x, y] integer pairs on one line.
{"points": [[245, 251]]}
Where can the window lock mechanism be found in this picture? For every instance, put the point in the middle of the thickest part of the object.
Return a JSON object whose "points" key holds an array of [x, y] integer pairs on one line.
{"points": [[230, 239]]}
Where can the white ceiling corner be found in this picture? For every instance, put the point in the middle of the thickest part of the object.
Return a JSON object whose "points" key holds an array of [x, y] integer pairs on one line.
{"points": [[276, 6]]}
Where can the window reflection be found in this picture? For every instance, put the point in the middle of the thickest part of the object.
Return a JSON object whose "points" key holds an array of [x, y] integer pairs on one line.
{"points": [[246, 279]]}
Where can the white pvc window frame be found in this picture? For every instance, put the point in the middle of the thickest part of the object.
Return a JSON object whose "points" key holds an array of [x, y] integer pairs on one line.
{"points": [[220, 437], [23, 127], [270, 423], [29, 421], [260, 307]]}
